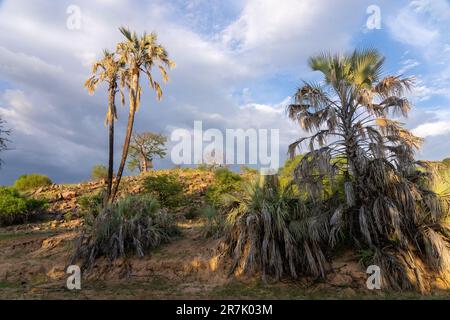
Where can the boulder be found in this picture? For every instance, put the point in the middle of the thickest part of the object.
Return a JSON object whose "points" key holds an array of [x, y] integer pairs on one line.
{"points": [[68, 195]]}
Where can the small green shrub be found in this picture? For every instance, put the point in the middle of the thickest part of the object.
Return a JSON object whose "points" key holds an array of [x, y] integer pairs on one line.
{"points": [[166, 188], [15, 208], [446, 161], [225, 182], [249, 171], [32, 181], [365, 257], [192, 213], [286, 172], [91, 203], [133, 224], [214, 222], [99, 172]]}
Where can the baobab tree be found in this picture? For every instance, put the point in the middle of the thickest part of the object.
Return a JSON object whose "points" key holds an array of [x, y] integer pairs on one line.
{"points": [[4, 133], [144, 148]]}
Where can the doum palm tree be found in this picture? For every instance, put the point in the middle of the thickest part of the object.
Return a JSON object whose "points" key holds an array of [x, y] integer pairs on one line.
{"points": [[386, 204], [108, 70], [139, 54]]}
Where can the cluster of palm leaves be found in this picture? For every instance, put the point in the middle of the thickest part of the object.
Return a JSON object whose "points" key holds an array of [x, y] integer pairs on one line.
{"points": [[270, 230], [134, 224], [135, 56], [386, 203]]}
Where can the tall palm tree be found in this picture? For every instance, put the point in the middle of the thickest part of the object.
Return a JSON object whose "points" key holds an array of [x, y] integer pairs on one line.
{"points": [[108, 70], [140, 54], [386, 205]]}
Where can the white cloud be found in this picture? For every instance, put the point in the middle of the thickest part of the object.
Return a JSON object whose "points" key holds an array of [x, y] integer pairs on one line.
{"points": [[407, 65], [407, 28], [430, 129], [275, 109], [434, 123], [438, 9], [270, 34], [16, 99]]}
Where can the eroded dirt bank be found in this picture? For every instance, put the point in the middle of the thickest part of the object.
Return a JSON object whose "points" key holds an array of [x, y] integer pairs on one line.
{"points": [[33, 259]]}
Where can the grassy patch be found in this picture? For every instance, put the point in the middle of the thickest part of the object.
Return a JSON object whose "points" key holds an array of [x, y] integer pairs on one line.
{"points": [[9, 285], [20, 235]]}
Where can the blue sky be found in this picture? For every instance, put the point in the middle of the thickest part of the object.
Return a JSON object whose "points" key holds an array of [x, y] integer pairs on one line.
{"points": [[238, 62]]}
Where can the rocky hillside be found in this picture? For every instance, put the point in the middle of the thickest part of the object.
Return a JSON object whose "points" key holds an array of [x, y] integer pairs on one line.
{"points": [[64, 198]]}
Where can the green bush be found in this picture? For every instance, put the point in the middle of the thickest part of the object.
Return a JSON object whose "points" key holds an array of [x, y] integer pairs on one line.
{"points": [[32, 181], [133, 224], [250, 171], [14, 208], [446, 161], [366, 257], [214, 222], [91, 203], [225, 181], [99, 172], [192, 213], [166, 188]]}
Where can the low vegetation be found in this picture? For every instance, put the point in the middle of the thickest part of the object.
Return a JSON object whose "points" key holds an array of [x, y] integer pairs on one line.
{"points": [[15, 208], [225, 182], [269, 230], [32, 181], [214, 222], [166, 188], [132, 225], [91, 204]]}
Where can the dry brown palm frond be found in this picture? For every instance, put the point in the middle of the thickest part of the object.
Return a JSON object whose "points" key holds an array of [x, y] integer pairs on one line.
{"points": [[437, 249], [400, 269], [398, 104], [393, 86]]}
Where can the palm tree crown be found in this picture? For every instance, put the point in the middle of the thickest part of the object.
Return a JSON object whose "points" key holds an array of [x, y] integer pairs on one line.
{"points": [[108, 70], [352, 107]]}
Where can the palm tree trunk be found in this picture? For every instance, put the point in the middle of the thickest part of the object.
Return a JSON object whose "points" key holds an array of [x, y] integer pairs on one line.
{"points": [[112, 95], [110, 162], [126, 145]]}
